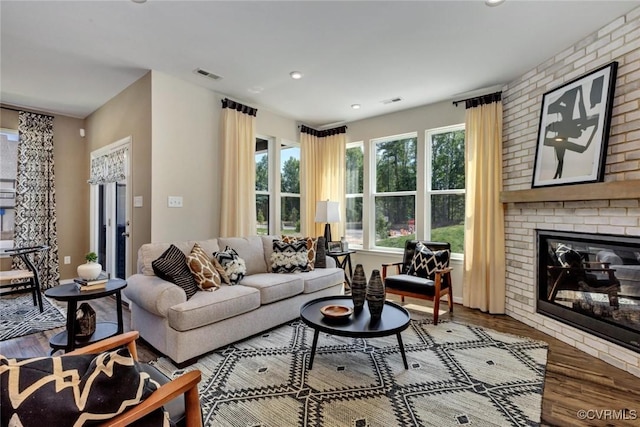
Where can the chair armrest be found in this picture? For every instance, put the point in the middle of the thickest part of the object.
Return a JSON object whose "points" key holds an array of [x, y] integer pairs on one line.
{"points": [[186, 384], [444, 270], [128, 339], [390, 264]]}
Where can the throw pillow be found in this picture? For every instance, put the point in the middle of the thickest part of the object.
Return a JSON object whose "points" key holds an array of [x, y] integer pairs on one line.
{"points": [[425, 262], [289, 257], [568, 257], [311, 245], [203, 270], [172, 266], [71, 390], [234, 266]]}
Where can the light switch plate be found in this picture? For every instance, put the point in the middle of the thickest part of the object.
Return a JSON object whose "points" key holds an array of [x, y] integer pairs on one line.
{"points": [[174, 201], [67, 260], [137, 202]]}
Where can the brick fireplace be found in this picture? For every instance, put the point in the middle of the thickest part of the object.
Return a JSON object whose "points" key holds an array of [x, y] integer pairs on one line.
{"points": [[611, 208]]}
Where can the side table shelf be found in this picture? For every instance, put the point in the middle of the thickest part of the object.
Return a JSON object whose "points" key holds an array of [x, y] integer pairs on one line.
{"points": [[103, 330]]}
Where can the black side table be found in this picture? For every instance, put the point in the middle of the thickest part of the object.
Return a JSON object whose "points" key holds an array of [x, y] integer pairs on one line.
{"points": [[71, 294], [346, 261]]}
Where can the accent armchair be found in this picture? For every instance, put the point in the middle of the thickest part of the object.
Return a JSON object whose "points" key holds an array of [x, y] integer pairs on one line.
{"points": [[423, 273]]}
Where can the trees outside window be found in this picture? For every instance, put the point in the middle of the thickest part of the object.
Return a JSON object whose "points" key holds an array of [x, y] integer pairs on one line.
{"points": [[354, 192]]}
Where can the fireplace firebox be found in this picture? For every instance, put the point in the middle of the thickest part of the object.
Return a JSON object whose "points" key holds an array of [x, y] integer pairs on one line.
{"points": [[592, 282]]}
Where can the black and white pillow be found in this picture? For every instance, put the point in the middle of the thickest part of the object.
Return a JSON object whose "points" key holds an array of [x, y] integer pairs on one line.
{"points": [[234, 267], [425, 262], [290, 257], [568, 257], [172, 266], [73, 390]]}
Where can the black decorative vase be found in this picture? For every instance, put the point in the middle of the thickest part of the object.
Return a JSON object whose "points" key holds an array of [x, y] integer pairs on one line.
{"points": [[321, 253], [358, 288], [375, 296]]}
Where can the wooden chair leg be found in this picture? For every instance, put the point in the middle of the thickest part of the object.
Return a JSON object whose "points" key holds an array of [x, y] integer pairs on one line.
{"points": [[436, 309]]}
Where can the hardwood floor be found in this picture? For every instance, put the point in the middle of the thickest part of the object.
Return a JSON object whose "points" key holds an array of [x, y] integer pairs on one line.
{"points": [[574, 381]]}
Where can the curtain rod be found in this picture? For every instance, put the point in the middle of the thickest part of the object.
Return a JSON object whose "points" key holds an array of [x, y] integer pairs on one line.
{"points": [[475, 97]]}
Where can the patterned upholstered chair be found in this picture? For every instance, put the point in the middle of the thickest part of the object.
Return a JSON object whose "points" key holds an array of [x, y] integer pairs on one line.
{"points": [[91, 384], [424, 273]]}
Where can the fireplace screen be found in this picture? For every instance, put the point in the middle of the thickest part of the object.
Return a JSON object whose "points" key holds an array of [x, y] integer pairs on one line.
{"points": [[591, 282]]}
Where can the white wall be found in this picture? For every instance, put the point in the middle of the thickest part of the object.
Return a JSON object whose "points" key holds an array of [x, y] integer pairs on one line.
{"points": [[185, 159], [419, 119]]}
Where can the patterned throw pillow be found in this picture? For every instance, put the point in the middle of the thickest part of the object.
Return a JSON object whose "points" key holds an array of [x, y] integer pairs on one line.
{"points": [[234, 266], [289, 257], [71, 390], [425, 262], [172, 266], [311, 245], [568, 257], [203, 270]]}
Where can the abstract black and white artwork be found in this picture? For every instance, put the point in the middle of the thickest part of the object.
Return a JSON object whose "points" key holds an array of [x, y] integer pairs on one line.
{"points": [[574, 130]]}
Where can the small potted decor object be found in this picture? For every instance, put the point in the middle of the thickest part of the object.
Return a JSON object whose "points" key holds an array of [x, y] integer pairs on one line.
{"points": [[375, 296], [91, 269], [358, 288]]}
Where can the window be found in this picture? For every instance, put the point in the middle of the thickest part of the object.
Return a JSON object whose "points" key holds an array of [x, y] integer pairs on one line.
{"points": [[413, 189], [354, 192], [394, 196], [446, 186], [277, 197], [8, 176]]}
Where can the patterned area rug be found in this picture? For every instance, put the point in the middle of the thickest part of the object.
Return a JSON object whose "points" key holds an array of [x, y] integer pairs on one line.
{"points": [[458, 375], [18, 316]]}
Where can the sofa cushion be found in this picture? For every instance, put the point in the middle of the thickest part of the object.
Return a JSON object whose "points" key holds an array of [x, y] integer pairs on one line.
{"points": [[289, 257], [267, 247], [203, 269], [172, 266], [206, 308], [320, 278], [234, 266], [71, 390], [151, 251], [274, 287], [249, 249], [310, 243]]}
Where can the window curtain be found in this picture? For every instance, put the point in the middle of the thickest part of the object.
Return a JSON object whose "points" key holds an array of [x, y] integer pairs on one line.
{"points": [[238, 210], [322, 176], [110, 167], [35, 213], [484, 251]]}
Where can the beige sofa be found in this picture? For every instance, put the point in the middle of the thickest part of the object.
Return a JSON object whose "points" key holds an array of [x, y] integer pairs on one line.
{"points": [[185, 329]]}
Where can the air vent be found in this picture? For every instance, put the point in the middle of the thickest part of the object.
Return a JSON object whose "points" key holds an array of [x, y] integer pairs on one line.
{"points": [[207, 74], [392, 100]]}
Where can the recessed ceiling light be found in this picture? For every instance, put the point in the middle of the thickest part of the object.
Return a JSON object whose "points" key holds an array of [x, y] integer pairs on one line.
{"points": [[493, 3], [255, 89], [295, 75], [139, 1], [355, 106]]}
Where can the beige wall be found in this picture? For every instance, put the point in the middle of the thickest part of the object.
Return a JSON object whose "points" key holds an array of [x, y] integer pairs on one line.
{"points": [[418, 120], [126, 114], [618, 41], [70, 153]]}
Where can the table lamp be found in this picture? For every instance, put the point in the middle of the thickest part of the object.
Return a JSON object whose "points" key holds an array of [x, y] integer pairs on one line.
{"points": [[327, 212]]}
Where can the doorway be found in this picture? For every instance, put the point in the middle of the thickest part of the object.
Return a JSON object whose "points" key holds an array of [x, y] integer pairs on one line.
{"points": [[110, 206]]}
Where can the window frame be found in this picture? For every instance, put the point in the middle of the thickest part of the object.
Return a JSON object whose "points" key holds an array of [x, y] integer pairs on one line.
{"points": [[361, 145]]}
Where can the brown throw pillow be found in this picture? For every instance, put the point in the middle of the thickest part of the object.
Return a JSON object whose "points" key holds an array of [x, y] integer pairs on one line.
{"points": [[203, 270], [311, 243]]}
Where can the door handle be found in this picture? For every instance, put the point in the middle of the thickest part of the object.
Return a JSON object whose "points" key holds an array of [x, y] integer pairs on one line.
{"points": [[125, 234]]}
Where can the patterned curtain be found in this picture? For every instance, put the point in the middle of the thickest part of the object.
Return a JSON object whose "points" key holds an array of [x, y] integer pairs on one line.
{"points": [[109, 168], [35, 222]]}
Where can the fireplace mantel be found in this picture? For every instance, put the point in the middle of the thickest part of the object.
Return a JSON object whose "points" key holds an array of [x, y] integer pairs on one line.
{"points": [[613, 190]]}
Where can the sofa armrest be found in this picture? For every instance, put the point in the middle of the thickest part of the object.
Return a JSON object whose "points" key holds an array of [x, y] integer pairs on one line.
{"points": [[331, 263], [154, 294]]}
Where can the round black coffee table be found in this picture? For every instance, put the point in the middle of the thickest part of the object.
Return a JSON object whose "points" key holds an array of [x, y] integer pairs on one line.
{"points": [[394, 320], [71, 294]]}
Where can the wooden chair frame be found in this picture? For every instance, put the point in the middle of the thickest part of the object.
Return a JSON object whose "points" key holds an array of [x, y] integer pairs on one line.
{"points": [[29, 279], [186, 384]]}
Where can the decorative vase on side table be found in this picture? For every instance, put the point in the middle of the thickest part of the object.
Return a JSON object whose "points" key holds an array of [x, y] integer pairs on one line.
{"points": [[358, 288], [375, 296], [91, 269]]}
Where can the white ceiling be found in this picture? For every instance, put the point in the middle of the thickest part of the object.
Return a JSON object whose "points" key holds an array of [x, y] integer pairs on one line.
{"points": [[70, 57]]}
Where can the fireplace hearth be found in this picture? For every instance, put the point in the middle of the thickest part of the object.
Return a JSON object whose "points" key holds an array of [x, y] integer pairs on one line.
{"points": [[592, 282]]}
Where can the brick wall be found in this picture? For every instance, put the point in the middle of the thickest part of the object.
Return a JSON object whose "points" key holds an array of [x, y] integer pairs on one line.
{"points": [[522, 99]]}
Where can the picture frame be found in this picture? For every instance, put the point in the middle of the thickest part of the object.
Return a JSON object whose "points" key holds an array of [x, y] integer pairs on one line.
{"points": [[335, 247], [574, 130]]}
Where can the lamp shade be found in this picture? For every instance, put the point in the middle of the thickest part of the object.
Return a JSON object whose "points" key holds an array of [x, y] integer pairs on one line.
{"points": [[327, 211]]}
